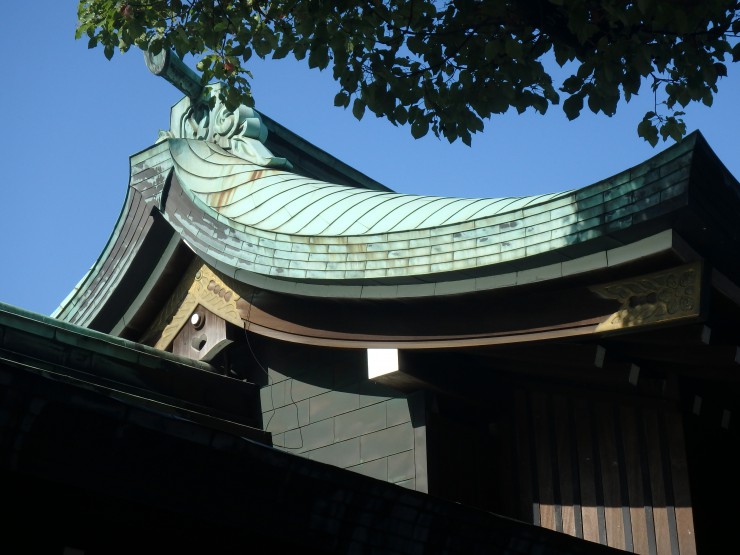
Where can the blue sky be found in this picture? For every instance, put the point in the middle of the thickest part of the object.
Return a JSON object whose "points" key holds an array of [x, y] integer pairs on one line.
{"points": [[71, 119]]}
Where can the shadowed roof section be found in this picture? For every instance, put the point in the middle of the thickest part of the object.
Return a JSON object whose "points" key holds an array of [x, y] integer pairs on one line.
{"points": [[112, 367], [91, 420]]}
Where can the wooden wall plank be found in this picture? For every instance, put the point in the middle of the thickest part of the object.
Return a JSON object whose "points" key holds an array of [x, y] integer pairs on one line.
{"points": [[681, 490], [634, 477], [543, 458], [604, 472], [529, 510], [657, 483], [623, 489], [568, 498], [668, 481], [610, 479], [587, 479]]}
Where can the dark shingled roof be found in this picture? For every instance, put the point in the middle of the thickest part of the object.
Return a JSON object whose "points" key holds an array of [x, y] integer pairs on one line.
{"points": [[99, 453]]}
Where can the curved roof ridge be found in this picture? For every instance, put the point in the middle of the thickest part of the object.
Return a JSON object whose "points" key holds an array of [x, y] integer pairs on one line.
{"points": [[223, 182]]}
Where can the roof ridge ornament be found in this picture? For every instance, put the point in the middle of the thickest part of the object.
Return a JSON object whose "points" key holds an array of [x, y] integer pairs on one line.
{"points": [[202, 115]]}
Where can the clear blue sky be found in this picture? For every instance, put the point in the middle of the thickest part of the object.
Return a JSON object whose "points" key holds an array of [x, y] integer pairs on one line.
{"points": [[71, 119]]}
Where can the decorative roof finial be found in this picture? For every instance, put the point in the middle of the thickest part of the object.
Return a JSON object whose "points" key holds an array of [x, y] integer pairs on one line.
{"points": [[202, 115], [168, 65]]}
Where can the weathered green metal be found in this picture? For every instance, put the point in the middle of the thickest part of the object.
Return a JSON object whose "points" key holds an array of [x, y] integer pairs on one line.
{"points": [[276, 229], [169, 66], [202, 115], [281, 224], [239, 131], [250, 195]]}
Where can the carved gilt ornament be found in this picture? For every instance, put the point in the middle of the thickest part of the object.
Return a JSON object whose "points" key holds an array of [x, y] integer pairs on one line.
{"points": [[203, 287], [659, 297]]}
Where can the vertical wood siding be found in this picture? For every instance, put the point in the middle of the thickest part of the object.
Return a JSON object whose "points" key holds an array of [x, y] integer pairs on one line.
{"points": [[614, 474]]}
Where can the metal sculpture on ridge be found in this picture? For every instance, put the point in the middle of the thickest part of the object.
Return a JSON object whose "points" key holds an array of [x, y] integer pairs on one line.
{"points": [[202, 115]]}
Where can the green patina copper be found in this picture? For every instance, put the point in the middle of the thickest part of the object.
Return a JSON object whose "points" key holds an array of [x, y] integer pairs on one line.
{"points": [[250, 195], [281, 223], [286, 225], [171, 68], [252, 216]]}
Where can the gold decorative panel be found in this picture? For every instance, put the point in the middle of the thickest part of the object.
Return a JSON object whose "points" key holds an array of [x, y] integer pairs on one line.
{"points": [[200, 286], [653, 298]]}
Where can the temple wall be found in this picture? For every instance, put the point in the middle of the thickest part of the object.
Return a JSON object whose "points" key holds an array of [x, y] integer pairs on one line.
{"points": [[606, 471], [320, 405]]}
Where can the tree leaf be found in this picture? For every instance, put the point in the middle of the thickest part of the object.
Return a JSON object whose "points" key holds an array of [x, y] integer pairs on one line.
{"points": [[647, 130], [441, 65], [572, 84], [573, 106], [342, 99], [358, 108], [419, 128]]}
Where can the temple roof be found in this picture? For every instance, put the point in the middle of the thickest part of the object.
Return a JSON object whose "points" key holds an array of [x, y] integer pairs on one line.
{"points": [[272, 222], [248, 195], [317, 228]]}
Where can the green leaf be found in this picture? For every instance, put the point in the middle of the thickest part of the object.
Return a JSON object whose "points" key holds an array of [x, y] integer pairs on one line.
{"points": [[491, 50], [419, 128], [631, 83], [683, 97], [156, 45], [584, 70], [427, 67], [358, 108], [647, 130], [540, 104], [341, 99], [300, 50], [319, 56], [563, 54], [677, 131], [736, 53], [595, 103], [513, 49], [572, 84], [400, 114], [261, 47], [573, 106]]}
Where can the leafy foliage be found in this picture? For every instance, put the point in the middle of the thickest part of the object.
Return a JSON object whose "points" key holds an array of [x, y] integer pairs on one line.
{"points": [[448, 65]]}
